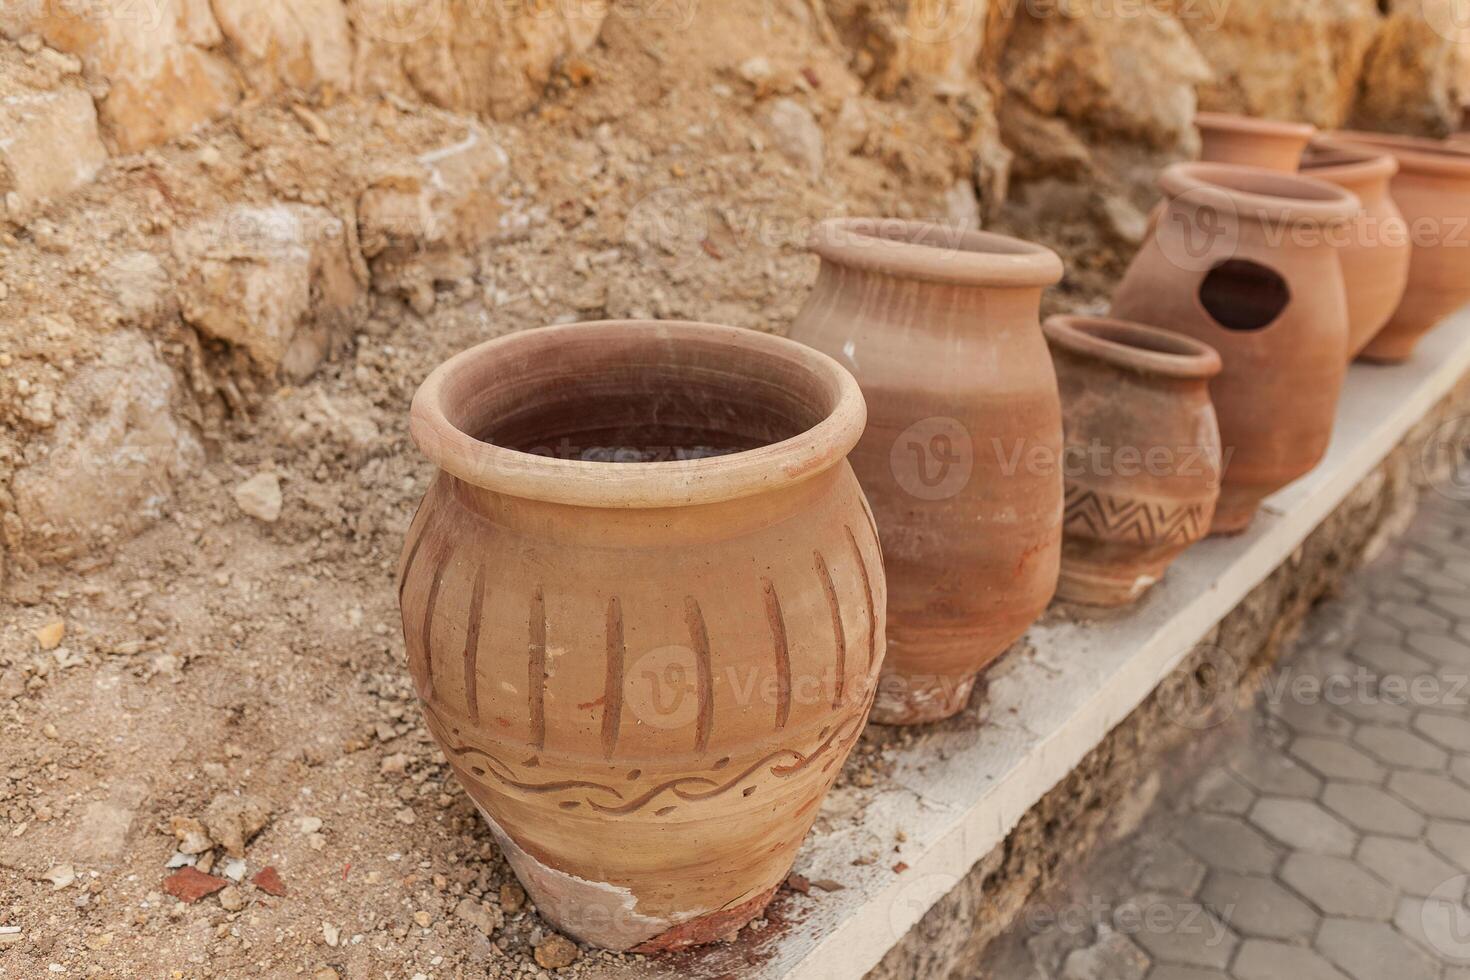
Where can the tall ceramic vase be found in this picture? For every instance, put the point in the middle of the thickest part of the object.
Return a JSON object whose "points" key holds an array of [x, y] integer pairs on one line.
{"points": [[1432, 189], [1143, 453], [1375, 255], [960, 460], [646, 673], [1253, 142], [1244, 259]]}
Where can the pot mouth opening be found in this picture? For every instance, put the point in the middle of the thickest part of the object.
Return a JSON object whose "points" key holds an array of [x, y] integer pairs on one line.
{"points": [[936, 252], [1148, 350], [1255, 192], [1327, 159], [1414, 153], [1236, 123], [637, 414]]}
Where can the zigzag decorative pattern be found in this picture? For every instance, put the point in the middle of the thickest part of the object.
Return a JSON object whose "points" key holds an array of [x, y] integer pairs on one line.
{"points": [[1110, 518]]}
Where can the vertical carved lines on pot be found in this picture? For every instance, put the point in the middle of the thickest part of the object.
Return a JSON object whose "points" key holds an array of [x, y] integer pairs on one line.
{"points": [[704, 673], [838, 634], [472, 646], [857, 554], [612, 685], [536, 670], [413, 550], [777, 622], [443, 552]]}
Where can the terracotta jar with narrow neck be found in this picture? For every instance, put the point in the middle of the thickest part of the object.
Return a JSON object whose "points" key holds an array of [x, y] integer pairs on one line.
{"points": [[1432, 190], [643, 602], [1245, 260], [1269, 143], [1142, 462], [1375, 255], [961, 460]]}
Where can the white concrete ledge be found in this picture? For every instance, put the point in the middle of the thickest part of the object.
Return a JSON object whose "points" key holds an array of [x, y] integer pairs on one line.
{"points": [[955, 795]]}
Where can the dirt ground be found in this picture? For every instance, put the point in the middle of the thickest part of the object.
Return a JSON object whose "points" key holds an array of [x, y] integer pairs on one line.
{"points": [[237, 672]]}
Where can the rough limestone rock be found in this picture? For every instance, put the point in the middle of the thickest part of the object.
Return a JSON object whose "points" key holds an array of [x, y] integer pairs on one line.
{"points": [[796, 133], [942, 42], [419, 223], [114, 453], [467, 54], [260, 497], [300, 44], [1282, 59], [1110, 77], [1414, 75], [275, 281], [49, 146], [163, 79]]}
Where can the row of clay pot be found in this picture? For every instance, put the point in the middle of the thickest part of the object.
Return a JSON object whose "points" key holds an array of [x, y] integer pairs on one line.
{"points": [[645, 603]]}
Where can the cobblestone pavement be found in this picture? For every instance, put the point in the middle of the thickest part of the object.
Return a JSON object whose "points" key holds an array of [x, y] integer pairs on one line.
{"points": [[1329, 837]]}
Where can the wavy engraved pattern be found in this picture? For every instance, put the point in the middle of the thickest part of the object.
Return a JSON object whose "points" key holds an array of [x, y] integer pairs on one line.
{"points": [[1111, 518]]}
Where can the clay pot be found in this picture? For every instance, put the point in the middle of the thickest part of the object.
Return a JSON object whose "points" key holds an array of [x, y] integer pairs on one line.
{"points": [[1432, 189], [1244, 260], [1142, 462], [646, 674], [961, 457], [1268, 143], [1375, 255]]}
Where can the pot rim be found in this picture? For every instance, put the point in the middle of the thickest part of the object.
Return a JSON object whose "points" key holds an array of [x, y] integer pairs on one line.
{"points": [[1415, 154], [1132, 345], [1361, 166], [960, 256], [1256, 192], [1234, 122], [665, 483]]}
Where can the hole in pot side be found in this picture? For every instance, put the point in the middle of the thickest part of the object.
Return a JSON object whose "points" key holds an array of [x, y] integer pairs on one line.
{"points": [[642, 412], [1244, 295]]}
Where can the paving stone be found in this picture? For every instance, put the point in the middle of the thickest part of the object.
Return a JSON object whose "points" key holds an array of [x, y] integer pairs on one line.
{"points": [[1372, 626], [1450, 731], [1370, 809], [1454, 604], [1229, 844], [1312, 716], [1174, 971], [1338, 886], [1258, 907], [1451, 840], [1412, 616], [1440, 926], [1170, 869], [1389, 657], [1303, 825], [1173, 930], [1276, 774], [1218, 791], [1460, 769], [1378, 707], [1336, 759], [1113, 957], [1408, 865], [1441, 648], [1264, 960], [1373, 951], [1431, 795], [1400, 747]]}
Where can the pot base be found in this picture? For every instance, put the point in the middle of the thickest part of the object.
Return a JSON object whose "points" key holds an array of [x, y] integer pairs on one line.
{"points": [[1234, 514], [917, 701], [1091, 586], [710, 927]]}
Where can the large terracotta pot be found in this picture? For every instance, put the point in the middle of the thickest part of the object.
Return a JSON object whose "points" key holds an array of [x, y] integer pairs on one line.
{"points": [[1269, 143], [1142, 453], [1432, 189], [646, 674], [961, 457], [1244, 260], [1375, 255]]}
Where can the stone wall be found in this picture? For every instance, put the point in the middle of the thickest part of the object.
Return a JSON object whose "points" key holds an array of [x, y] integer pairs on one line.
{"points": [[1091, 807]]}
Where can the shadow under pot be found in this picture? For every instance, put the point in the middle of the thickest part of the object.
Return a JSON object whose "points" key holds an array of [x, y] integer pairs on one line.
{"points": [[643, 604], [1432, 190], [1375, 254], [1243, 259], [1247, 140], [961, 459], [1143, 459]]}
